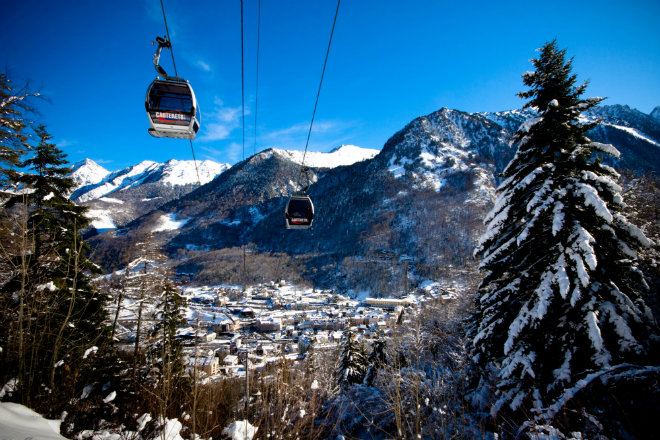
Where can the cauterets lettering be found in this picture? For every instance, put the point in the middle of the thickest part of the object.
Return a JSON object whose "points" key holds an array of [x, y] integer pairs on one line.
{"points": [[167, 115]]}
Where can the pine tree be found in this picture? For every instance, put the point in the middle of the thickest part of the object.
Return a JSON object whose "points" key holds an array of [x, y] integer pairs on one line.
{"points": [[56, 314], [559, 305], [352, 365], [13, 123]]}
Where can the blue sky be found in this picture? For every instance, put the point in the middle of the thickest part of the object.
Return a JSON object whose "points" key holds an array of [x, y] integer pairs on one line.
{"points": [[390, 62]]}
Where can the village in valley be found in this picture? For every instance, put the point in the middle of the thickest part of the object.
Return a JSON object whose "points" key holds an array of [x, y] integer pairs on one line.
{"points": [[229, 329]]}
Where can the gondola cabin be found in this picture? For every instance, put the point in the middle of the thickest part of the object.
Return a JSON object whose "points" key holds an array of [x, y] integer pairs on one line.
{"points": [[172, 109], [299, 213]]}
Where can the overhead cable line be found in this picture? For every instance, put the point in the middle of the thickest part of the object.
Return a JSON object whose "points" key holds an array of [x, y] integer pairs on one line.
{"points": [[318, 93], [242, 81], [176, 74], [256, 103], [167, 31]]}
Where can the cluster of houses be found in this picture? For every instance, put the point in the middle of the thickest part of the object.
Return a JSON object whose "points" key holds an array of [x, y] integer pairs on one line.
{"points": [[230, 330]]}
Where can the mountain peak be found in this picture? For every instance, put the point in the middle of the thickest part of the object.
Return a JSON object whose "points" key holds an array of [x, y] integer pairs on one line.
{"points": [[656, 113], [88, 172]]}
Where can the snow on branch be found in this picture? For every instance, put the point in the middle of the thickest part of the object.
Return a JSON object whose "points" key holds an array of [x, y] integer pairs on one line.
{"points": [[627, 341], [605, 376], [606, 148], [633, 231], [591, 198], [582, 253]]}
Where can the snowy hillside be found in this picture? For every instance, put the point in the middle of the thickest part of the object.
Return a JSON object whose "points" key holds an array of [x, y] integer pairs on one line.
{"points": [[445, 145]]}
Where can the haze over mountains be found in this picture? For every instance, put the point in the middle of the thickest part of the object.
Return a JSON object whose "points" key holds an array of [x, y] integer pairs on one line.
{"points": [[415, 207]]}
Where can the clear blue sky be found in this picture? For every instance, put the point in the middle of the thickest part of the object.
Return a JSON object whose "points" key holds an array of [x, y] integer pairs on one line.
{"points": [[391, 61]]}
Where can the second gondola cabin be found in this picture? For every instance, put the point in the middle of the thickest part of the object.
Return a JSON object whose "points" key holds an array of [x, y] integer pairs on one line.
{"points": [[172, 109], [299, 212]]}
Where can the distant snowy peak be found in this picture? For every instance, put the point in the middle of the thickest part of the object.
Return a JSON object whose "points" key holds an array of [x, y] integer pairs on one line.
{"points": [[341, 156], [171, 173], [184, 172], [88, 172]]}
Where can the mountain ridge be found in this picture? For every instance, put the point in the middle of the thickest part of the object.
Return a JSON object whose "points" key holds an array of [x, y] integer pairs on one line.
{"points": [[422, 199]]}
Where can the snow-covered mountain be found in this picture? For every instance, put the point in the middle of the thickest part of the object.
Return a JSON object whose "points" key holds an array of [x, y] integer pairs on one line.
{"points": [[422, 198], [340, 156], [171, 173], [116, 198], [88, 172], [432, 150]]}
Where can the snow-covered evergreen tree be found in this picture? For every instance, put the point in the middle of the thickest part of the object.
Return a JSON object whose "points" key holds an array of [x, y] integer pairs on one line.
{"points": [[559, 305], [13, 123], [352, 365]]}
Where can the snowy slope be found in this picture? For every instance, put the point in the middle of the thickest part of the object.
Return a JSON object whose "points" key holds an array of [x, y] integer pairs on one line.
{"points": [[18, 422], [342, 156], [656, 113]]}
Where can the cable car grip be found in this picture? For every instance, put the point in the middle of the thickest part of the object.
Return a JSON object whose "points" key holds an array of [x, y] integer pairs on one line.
{"points": [[162, 43]]}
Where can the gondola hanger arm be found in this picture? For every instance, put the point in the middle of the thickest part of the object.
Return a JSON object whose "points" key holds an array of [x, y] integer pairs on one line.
{"points": [[162, 43]]}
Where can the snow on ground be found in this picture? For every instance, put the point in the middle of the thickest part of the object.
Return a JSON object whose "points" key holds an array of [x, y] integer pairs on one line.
{"points": [[168, 222], [20, 423], [172, 173], [344, 155], [100, 219], [240, 430], [398, 166], [111, 200]]}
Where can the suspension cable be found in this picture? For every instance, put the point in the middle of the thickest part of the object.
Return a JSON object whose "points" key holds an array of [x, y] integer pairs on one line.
{"points": [[242, 81], [176, 74], [192, 149], [309, 133], [256, 103], [167, 30]]}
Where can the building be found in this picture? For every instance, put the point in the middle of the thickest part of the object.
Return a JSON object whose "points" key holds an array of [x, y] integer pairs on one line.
{"points": [[209, 365], [387, 303], [269, 324]]}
